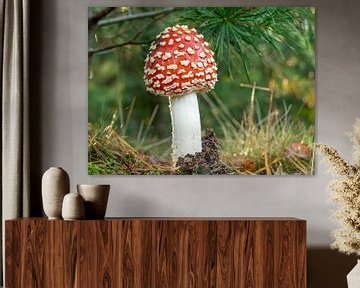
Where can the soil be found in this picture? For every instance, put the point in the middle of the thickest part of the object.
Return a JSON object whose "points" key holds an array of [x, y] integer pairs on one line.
{"points": [[205, 162]]}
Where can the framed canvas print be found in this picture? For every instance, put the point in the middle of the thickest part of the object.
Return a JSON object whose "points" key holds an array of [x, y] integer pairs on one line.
{"points": [[201, 90]]}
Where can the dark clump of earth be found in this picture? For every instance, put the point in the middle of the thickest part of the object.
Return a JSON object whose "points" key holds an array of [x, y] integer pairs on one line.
{"points": [[205, 162]]}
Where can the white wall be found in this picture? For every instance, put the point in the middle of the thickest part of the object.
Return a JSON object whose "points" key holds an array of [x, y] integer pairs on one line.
{"points": [[60, 122]]}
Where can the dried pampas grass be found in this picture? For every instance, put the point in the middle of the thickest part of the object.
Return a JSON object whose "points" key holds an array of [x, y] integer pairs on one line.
{"points": [[345, 191]]}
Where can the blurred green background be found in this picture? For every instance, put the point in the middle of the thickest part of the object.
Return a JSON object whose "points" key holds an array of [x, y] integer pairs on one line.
{"points": [[273, 47]]}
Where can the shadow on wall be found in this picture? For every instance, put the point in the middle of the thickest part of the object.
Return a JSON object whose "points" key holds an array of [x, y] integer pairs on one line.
{"points": [[328, 268]]}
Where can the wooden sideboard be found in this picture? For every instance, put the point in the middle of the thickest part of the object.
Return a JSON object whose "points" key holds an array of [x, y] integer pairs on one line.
{"points": [[156, 252]]}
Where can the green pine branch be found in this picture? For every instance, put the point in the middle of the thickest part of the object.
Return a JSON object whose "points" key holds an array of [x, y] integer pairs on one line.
{"points": [[246, 32]]}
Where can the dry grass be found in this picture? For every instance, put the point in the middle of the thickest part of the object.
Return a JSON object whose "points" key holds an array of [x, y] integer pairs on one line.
{"points": [[109, 153], [273, 145]]}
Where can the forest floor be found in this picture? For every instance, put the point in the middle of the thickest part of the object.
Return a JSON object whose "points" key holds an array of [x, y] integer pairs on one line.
{"points": [[278, 149]]}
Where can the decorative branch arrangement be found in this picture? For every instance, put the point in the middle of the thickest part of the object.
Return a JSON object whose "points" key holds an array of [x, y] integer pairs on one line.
{"points": [[345, 191]]}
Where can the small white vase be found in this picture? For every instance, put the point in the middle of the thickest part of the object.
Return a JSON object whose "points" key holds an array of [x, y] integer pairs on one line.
{"points": [[96, 198], [55, 185], [353, 278], [73, 207]]}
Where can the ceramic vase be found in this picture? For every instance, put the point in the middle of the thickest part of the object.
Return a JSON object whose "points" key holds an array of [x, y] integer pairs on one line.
{"points": [[96, 198], [73, 207], [353, 278], [55, 185]]}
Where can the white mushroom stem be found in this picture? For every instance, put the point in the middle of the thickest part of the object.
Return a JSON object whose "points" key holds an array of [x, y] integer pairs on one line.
{"points": [[186, 126]]}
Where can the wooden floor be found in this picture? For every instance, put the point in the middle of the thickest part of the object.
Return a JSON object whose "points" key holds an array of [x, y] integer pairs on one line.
{"points": [[241, 253]]}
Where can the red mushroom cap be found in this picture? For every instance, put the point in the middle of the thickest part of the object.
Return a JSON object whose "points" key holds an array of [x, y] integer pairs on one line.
{"points": [[179, 62]]}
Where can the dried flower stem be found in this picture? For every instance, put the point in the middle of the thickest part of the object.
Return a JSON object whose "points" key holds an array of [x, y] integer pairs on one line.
{"points": [[346, 193]]}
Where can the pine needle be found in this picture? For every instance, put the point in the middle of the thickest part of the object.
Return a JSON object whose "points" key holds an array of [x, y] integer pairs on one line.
{"points": [[245, 32]]}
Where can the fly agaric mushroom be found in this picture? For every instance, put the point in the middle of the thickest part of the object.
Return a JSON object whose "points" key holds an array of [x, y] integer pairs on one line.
{"points": [[179, 65]]}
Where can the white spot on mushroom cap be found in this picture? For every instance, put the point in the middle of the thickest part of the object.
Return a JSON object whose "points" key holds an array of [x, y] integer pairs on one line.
{"points": [[158, 54], [152, 46], [185, 84], [190, 51], [171, 87], [171, 42], [209, 70], [188, 38], [179, 54], [181, 45], [171, 67], [159, 76], [202, 55], [177, 39], [185, 62], [163, 43], [198, 82], [190, 74], [167, 55], [167, 80], [148, 81]]}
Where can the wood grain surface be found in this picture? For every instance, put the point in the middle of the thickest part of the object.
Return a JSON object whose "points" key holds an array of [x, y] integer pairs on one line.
{"points": [[241, 253]]}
